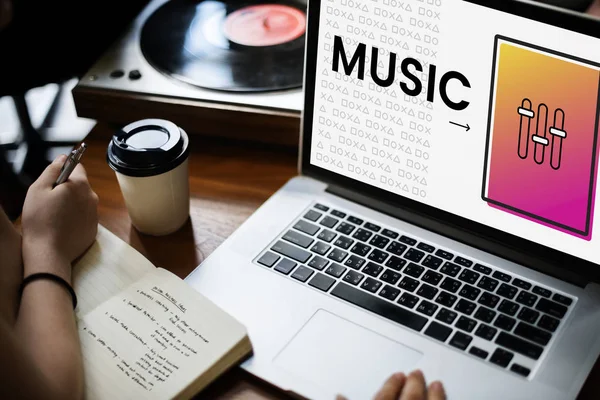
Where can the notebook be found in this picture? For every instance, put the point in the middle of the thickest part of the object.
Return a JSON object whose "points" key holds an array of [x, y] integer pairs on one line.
{"points": [[144, 332]]}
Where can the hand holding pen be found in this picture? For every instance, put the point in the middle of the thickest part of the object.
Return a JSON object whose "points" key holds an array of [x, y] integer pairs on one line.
{"points": [[70, 164]]}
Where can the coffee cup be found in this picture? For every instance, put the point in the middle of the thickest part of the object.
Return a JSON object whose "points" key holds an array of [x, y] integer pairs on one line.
{"points": [[150, 160]]}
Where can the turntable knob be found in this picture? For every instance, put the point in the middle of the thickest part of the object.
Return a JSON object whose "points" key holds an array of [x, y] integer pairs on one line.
{"points": [[135, 74], [117, 73]]}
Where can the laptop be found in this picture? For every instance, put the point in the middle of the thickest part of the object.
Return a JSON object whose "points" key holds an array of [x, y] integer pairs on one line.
{"points": [[443, 216]]}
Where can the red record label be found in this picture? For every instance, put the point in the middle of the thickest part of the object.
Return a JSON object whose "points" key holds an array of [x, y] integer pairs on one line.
{"points": [[264, 25]]}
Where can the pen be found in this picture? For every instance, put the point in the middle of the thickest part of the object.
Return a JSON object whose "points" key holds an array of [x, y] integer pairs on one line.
{"points": [[70, 164]]}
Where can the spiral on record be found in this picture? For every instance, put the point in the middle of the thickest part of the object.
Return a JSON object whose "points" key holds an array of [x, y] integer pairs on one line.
{"points": [[239, 46]]}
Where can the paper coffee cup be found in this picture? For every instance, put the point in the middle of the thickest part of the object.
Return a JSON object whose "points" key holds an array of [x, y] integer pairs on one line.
{"points": [[150, 159]]}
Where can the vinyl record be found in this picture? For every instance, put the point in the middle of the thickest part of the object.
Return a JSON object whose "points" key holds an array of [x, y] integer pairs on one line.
{"points": [[239, 46]]}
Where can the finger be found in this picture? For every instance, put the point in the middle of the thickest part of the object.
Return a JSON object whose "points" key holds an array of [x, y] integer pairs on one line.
{"points": [[392, 387], [414, 388], [79, 175], [436, 391], [50, 174], [340, 397]]}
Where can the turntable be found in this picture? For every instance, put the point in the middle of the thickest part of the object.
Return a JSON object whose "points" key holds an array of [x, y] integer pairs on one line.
{"points": [[228, 68]]}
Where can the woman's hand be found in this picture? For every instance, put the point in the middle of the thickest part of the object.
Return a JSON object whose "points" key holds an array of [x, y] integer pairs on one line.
{"points": [[413, 387], [58, 223]]}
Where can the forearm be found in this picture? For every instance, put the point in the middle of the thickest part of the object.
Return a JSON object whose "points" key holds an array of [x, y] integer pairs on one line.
{"points": [[46, 324]]}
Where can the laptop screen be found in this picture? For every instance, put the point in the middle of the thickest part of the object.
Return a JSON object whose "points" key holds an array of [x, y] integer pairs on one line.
{"points": [[483, 114]]}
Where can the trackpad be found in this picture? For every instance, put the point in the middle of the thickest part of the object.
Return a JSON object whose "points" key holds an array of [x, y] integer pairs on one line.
{"points": [[344, 357]]}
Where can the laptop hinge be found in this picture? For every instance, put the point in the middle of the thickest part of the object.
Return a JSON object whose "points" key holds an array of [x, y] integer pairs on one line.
{"points": [[461, 235]]}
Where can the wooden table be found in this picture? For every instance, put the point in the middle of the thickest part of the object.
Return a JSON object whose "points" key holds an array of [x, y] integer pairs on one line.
{"points": [[228, 181]]}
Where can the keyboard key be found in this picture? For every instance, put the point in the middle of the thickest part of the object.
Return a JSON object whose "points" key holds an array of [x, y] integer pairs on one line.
{"points": [[268, 259], [320, 248], [465, 324], [354, 262], [395, 263], [484, 314], [532, 333], [444, 254], [326, 235], [285, 266], [469, 276], [425, 247], [290, 251], [519, 369], [488, 300], [502, 276], [353, 277], [343, 242], [501, 357], [547, 322], [378, 256], [432, 277], [477, 352], [372, 269], [408, 300], [321, 207], [469, 292], [463, 261], [541, 291], [446, 299], [337, 255], [409, 284], [446, 316], [450, 269], [354, 220], [460, 340], [465, 306], [507, 291], [488, 284], [318, 263], [372, 227], [335, 270], [390, 276], [390, 234], [389, 292], [361, 249], [527, 299], [432, 262], [322, 282], [438, 331], [345, 228], [427, 308], [370, 284], [362, 234], [379, 241], [521, 284], [414, 255], [298, 239], [562, 299], [407, 240], [451, 285], [397, 248], [508, 307], [302, 273], [551, 307], [482, 268], [329, 222], [486, 332], [427, 291], [518, 345], [338, 214], [306, 227], [529, 315], [505, 322], [379, 306], [413, 270], [312, 215]]}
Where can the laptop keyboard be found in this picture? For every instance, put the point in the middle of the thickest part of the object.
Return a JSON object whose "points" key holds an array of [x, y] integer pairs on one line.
{"points": [[489, 314]]}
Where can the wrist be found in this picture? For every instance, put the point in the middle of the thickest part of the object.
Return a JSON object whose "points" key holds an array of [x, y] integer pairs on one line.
{"points": [[42, 256]]}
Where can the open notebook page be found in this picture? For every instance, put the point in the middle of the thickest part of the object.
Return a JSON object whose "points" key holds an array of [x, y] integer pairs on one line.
{"points": [[154, 339], [108, 267]]}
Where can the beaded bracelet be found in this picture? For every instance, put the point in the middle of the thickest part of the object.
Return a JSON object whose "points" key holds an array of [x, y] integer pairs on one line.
{"points": [[52, 277]]}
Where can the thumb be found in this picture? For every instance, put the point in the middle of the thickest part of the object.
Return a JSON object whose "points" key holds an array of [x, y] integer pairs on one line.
{"points": [[50, 174]]}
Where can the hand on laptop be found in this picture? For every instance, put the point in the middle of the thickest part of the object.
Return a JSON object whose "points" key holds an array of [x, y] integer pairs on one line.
{"points": [[413, 387]]}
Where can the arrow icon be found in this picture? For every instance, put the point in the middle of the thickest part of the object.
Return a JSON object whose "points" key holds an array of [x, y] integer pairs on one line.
{"points": [[467, 127]]}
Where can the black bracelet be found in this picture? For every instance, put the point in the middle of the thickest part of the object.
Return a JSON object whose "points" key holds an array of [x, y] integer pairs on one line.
{"points": [[52, 277]]}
